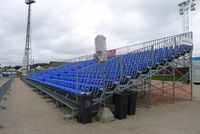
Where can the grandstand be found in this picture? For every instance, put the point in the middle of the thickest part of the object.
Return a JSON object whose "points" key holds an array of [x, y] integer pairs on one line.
{"points": [[130, 68]]}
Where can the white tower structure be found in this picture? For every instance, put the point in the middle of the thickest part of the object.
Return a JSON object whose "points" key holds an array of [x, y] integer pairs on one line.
{"points": [[184, 8], [100, 46], [27, 59]]}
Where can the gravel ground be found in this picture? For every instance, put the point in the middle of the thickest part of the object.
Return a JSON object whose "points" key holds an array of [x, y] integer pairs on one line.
{"points": [[29, 113]]}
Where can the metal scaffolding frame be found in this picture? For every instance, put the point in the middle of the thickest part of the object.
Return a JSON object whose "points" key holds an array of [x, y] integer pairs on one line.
{"points": [[146, 83], [157, 88], [183, 83]]}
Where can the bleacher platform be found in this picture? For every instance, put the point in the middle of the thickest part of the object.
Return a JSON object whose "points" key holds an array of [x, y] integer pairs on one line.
{"points": [[69, 78], [117, 74]]}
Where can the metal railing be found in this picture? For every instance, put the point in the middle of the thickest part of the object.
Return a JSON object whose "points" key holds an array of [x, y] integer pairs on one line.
{"points": [[4, 88], [131, 48], [118, 69]]}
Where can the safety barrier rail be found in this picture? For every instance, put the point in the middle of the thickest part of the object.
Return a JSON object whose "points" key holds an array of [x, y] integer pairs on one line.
{"points": [[4, 88]]}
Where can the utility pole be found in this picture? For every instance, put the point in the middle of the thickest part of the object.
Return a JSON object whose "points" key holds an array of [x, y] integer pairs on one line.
{"points": [[27, 59]]}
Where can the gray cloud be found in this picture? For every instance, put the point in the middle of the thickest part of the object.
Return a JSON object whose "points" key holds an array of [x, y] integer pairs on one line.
{"points": [[65, 29]]}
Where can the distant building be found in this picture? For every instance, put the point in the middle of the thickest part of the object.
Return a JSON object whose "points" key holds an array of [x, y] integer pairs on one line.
{"points": [[9, 73]]}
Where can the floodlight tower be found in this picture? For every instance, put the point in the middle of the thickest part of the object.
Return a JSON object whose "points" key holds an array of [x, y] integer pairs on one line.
{"points": [[27, 60], [184, 8]]}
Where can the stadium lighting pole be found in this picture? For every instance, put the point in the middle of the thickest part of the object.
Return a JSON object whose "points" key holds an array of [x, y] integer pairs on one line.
{"points": [[28, 53], [184, 8]]}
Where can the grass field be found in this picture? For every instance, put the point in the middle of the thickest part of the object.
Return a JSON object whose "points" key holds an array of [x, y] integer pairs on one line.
{"points": [[166, 78]]}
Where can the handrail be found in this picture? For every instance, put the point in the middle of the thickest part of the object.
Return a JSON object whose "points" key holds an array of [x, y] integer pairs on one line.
{"points": [[90, 56]]}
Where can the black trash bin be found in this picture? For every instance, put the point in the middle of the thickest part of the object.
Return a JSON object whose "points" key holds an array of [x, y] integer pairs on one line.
{"points": [[120, 102], [132, 100], [85, 109]]}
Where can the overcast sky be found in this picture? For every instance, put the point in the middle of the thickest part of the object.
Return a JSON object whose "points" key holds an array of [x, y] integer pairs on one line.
{"points": [[62, 29]]}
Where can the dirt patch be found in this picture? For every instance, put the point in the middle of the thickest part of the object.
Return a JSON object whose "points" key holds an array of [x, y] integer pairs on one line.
{"points": [[30, 113]]}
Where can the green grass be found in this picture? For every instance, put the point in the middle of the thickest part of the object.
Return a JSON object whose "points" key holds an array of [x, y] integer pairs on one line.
{"points": [[166, 78]]}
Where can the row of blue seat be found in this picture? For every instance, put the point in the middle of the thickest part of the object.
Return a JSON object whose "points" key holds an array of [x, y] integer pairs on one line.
{"points": [[86, 76]]}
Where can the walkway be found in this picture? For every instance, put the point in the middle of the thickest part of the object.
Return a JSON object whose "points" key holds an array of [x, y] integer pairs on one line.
{"points": [[29, 113]]}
